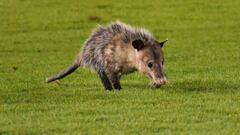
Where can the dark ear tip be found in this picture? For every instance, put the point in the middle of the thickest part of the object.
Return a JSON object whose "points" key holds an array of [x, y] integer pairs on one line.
{"points": [[163, 42]]}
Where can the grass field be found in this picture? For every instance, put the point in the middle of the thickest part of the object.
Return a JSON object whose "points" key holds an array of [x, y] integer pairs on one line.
{"points": [[40, 38]]}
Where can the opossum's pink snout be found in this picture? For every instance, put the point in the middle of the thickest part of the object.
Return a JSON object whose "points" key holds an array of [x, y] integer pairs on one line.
{"points": [[163, 81], [159, 82]]}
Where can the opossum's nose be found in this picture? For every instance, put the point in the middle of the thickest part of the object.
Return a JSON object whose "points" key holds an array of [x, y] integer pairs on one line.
{"points": [[162, 81]]}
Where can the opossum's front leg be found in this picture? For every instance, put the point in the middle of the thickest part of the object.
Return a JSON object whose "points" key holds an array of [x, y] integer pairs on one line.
{"points": [[105, 81], [116, 82]]}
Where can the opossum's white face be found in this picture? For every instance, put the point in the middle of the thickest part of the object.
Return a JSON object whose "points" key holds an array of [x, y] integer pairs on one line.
{"points": [[150, 61]]}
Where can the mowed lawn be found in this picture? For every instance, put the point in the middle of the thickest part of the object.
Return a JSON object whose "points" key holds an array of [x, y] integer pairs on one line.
{"points": [[40, 38]]}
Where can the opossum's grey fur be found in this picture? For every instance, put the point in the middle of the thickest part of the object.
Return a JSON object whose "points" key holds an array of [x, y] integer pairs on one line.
{"points": [[92, 54]]}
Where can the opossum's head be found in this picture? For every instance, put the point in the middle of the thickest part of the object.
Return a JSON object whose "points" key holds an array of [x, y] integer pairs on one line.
{"points": [[150, 60]]}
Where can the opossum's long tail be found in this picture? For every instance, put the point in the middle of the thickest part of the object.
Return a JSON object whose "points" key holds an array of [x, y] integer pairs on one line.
{"points": [[64, 73]]}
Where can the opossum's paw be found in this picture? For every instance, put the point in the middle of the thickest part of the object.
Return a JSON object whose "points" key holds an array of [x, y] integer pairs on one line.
{"points": [[108, 87], [117, 86], [156, 85]]}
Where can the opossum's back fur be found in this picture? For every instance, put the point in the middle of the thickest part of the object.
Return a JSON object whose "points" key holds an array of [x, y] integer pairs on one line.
{"points": [[92, 54]]}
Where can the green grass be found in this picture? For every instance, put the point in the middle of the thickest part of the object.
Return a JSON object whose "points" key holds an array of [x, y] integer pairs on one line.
{"points": [[40, 38]]}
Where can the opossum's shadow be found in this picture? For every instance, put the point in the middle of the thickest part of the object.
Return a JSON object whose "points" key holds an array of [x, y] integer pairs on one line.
{"points": [[181, 86], [138, 86], [99, 86], [204, 86], [92, 85], [81, 86]]}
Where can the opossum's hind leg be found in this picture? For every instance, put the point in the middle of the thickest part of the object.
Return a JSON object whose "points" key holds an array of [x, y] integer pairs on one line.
{"points": [[105, 81], [115, 79]]}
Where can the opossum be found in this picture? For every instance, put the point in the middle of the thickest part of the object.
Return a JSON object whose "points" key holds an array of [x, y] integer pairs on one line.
{"points": [[118, 49]]}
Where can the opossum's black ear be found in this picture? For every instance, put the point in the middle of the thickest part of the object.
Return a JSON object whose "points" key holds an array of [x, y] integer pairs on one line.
{"points": [[163, 42], [138, 44]]}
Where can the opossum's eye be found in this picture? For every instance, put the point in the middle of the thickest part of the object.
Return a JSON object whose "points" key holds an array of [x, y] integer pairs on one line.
{"points": [[150, 64]]}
